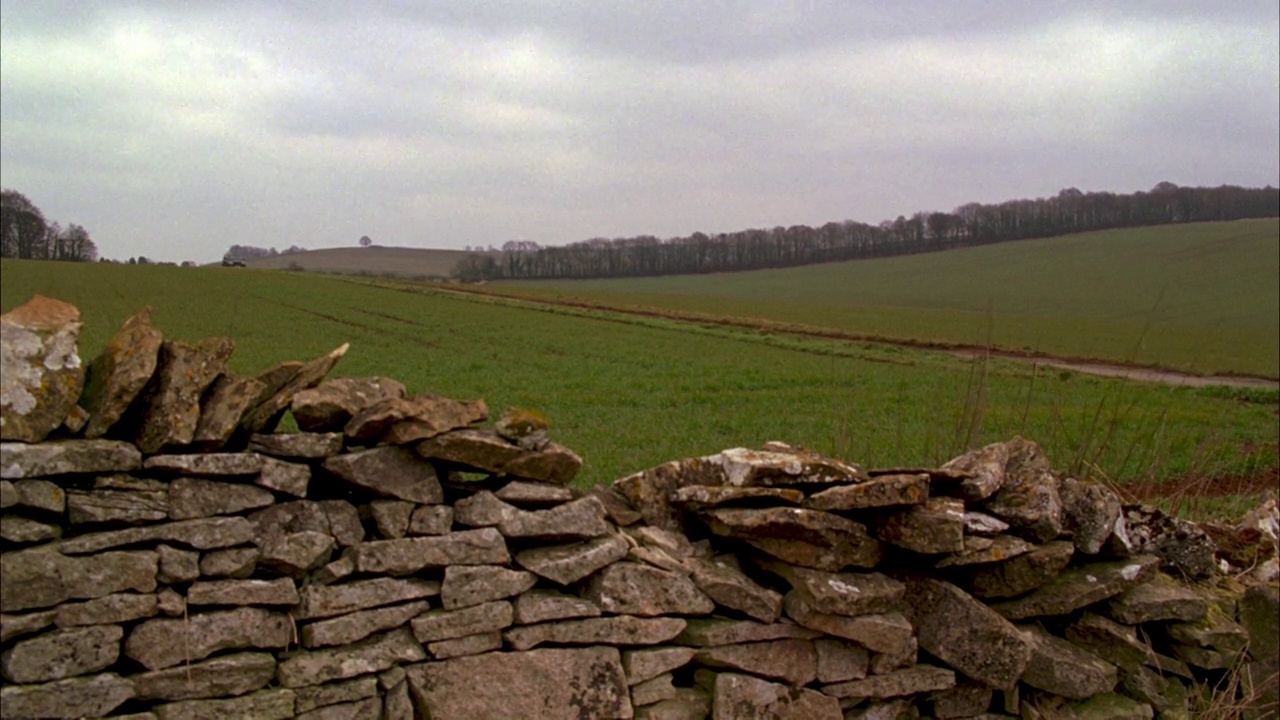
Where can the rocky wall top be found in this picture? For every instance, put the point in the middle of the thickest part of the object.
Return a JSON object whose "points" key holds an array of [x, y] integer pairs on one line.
{"points": [[166, 553]]}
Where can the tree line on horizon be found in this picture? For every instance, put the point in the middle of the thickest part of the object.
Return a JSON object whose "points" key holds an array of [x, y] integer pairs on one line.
{"points": [[1070, 211], [25, 233]]}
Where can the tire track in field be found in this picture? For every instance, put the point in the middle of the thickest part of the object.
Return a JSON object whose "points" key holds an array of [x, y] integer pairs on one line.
{"points": [[1087, 366]]}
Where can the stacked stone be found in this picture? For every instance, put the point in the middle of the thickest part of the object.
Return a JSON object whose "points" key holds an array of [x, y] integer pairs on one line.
{"points": [[985, 588], [166, 554]]}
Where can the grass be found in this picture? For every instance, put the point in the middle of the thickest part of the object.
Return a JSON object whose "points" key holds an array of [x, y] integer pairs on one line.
{"points": [[1201, 297], [630, 392]]}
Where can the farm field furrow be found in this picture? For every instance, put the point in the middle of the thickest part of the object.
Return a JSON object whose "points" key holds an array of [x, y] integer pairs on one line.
{"points": [[629, 393], [1201, 297]]}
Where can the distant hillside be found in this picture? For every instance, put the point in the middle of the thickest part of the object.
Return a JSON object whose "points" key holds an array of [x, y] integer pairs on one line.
{"points": [[399, 261]]}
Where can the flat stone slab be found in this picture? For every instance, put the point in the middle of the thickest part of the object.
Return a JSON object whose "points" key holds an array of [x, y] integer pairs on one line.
{"points": [[899, 683], [792, 661], [648, 492], [731, 588], [108, 505], [17, 625], [743, 696], [649, 663], [707, 632], [33, 494], [120, 371], [535, 494], [206, 464], [483, 509], [317, 696], [66, 457], [1062, 668], [201, 534], [784, 466], [62, 654], [1023, 573], [549, 683], [466, 585], [629, 588], [981, 550], [967, 635], [398, 421], [92, 696], [161, 642], [280, 591], [538, 606], [581, 519], [879, 491], [374, 655], [42, 578], [812, 538], [112, 609], [469, 645], [1080, 587], [484, 546], [707, 496], [848, 594], [391, 472], [617, 630], [309, 445], [357, 626], [439, 625], [840, 660], [197, 498], [331, 404], [1161, 598], [220, 677], [566, 564], [1117, 644], [262, 705], [934, 526], [889, 632], [319, 601]]}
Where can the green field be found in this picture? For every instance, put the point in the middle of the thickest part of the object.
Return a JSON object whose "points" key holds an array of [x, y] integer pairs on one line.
{"points": [[1201, 297], [628, 393]]}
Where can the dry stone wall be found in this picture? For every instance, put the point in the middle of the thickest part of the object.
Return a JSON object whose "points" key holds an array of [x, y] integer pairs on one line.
{"points": [[168, 554]]}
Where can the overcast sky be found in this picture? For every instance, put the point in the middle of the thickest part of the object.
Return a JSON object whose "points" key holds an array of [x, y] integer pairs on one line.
{"points": [[175, 129]]}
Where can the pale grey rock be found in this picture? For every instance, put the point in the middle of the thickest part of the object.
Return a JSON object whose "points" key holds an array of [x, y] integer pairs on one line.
{"points": [[41, 577], [840, 660], [280, 591], [42, 375], [881, 632], [589, 683], [398, 421], [982, 524], [35, 495], [707, 632], [469, 645], [1079, 587], [649, 663], [359, 625], [66, 457], [581, 519], [1062, 668], [261, 705], [538, 606], [431, 520], [848, 594], [570, 563], [812, 538], [18, 529], [793, 661], [201, 534], [617, 630], [439, 625], [238, 562], [371, 656], [316, 696], [483, 509], [109, 610], [1028, 500], [391, 517], [742, 696], [206, 464], [484, 546], [633, 589], [226, 675], [296, 554], [92, 696], [132, 507], [466, 585], [319, 601], [284, 477], [962, 632], [17, 625], [310, 445], [525, 493], [879, 491], [160, 643], [62, 654], [982, 470], [176, 565], [729, 587], [392, 472], [1089, 513]]}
